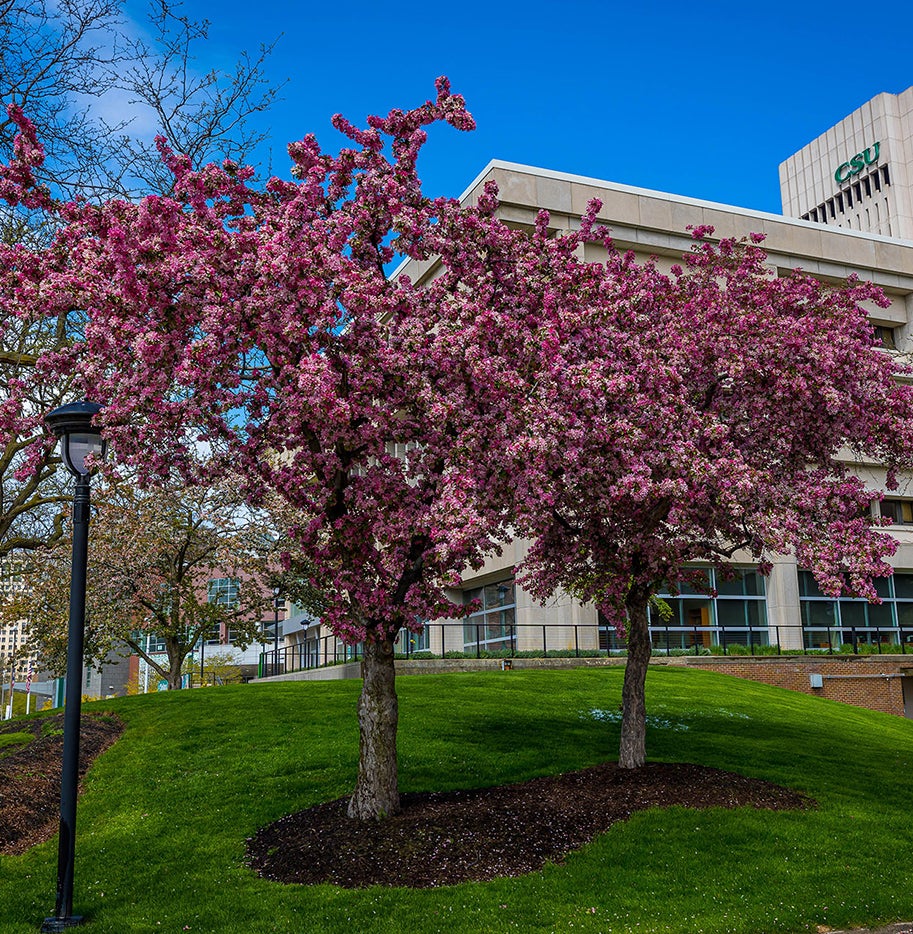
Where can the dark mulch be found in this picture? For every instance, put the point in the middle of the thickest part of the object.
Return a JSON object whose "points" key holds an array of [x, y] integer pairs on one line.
{"points": [[30, 775], [445, 838]]}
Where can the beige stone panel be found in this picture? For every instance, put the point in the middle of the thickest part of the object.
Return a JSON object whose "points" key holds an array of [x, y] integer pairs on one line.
{"points": [[554, 194], [594, 253], [894, 256], [616, 205], [559, 617], [800, 239], [684, 215], [902, 559], [518, 214], [655, 213], [729, 224], [896, 314], [846, 248], [515, 187], [783, 613], [581, 195]]}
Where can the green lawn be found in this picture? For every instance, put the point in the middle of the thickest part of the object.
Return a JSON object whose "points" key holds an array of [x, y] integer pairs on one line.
{"points": [[165, 812]]}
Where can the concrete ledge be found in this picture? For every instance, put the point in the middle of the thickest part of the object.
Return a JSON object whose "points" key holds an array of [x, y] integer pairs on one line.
{"points": [[332, 673], [429, 666], [709, 661]]}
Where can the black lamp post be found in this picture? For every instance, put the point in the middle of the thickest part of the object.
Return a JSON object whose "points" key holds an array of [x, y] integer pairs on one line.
{"points": [[78, 440], [276, 628]]}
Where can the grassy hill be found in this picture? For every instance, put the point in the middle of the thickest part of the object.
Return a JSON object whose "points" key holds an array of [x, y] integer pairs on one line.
{"points": [[165, 812]]}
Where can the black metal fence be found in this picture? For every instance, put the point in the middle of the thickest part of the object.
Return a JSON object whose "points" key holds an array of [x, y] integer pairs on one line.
{"points": [[438, 640]]}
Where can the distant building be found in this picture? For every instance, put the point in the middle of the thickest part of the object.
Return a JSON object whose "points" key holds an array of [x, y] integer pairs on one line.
{"points": [[857, 175]]}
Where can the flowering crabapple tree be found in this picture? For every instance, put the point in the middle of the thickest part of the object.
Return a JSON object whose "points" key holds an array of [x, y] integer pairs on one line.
{"points": [[699, 416], [261, 327]]}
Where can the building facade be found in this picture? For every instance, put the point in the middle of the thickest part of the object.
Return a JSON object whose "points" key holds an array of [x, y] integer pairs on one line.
{"points": [[785, 610]]}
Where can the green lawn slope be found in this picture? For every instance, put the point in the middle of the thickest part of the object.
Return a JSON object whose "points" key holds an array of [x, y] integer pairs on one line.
{"points": [[165, 812]]}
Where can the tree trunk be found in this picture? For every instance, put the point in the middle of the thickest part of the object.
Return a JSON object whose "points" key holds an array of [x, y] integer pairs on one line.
{"points": [[174, 677], [632, 751], [376, 794], [175, 680]]}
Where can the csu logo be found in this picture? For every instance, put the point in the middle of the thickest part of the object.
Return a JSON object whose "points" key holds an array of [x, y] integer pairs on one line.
{"points": [[848, 169]]}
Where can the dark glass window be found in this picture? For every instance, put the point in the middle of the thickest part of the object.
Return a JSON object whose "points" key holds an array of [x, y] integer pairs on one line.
{"points": [[829, 622], [885, 336], [899, 511], [492, 625]]}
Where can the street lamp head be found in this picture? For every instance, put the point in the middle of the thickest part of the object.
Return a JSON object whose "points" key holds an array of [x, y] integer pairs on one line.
{"points": [[79, 438]]}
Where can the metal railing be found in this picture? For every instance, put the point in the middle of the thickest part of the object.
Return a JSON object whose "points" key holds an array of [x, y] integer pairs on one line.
{"points": [[587, 641]]}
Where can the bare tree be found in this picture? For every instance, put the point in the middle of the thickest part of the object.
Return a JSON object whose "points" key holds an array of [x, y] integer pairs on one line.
{"points": [[61, 61], [66, 64]]}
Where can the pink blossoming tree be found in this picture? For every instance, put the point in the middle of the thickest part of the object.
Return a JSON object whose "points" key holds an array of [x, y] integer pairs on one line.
{"points": [[258, 331], [699, 416]]}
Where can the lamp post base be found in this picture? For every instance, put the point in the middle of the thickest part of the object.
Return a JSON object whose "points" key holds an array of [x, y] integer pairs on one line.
{"points": [[53, 925]]}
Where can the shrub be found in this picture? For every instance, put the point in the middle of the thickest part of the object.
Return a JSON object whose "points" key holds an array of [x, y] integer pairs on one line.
{"points": [[739, 649]]}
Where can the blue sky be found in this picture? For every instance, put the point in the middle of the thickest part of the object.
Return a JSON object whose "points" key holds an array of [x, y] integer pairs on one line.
{"points": [[702, 99]]}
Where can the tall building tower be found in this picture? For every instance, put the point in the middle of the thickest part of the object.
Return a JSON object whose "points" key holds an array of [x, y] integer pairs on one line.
{"points": [[858, 173]]}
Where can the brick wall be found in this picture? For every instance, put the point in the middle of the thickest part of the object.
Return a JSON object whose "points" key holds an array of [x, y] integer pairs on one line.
{"points": [[872, 681]]}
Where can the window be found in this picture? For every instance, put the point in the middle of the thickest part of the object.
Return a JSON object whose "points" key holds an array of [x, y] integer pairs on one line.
{"points": [[223, 591], [408, 641], [884, 336], [737, 615], [213, 635], [899, 511], [492, 625], [154, 644], [828, 622]]}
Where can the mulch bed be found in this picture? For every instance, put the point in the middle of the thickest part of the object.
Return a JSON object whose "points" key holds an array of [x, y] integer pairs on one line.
{"points": [[30, 776], [446, 838]]}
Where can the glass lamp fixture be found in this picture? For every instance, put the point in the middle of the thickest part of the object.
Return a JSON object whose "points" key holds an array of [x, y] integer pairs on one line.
{"points": [[79, 439]]}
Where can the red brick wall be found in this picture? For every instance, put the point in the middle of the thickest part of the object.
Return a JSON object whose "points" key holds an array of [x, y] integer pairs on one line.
{"points": [[872, 681]]}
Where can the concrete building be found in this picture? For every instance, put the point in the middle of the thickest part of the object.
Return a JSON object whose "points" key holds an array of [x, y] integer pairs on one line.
{"points": [[857, 174], [786, 609]]}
